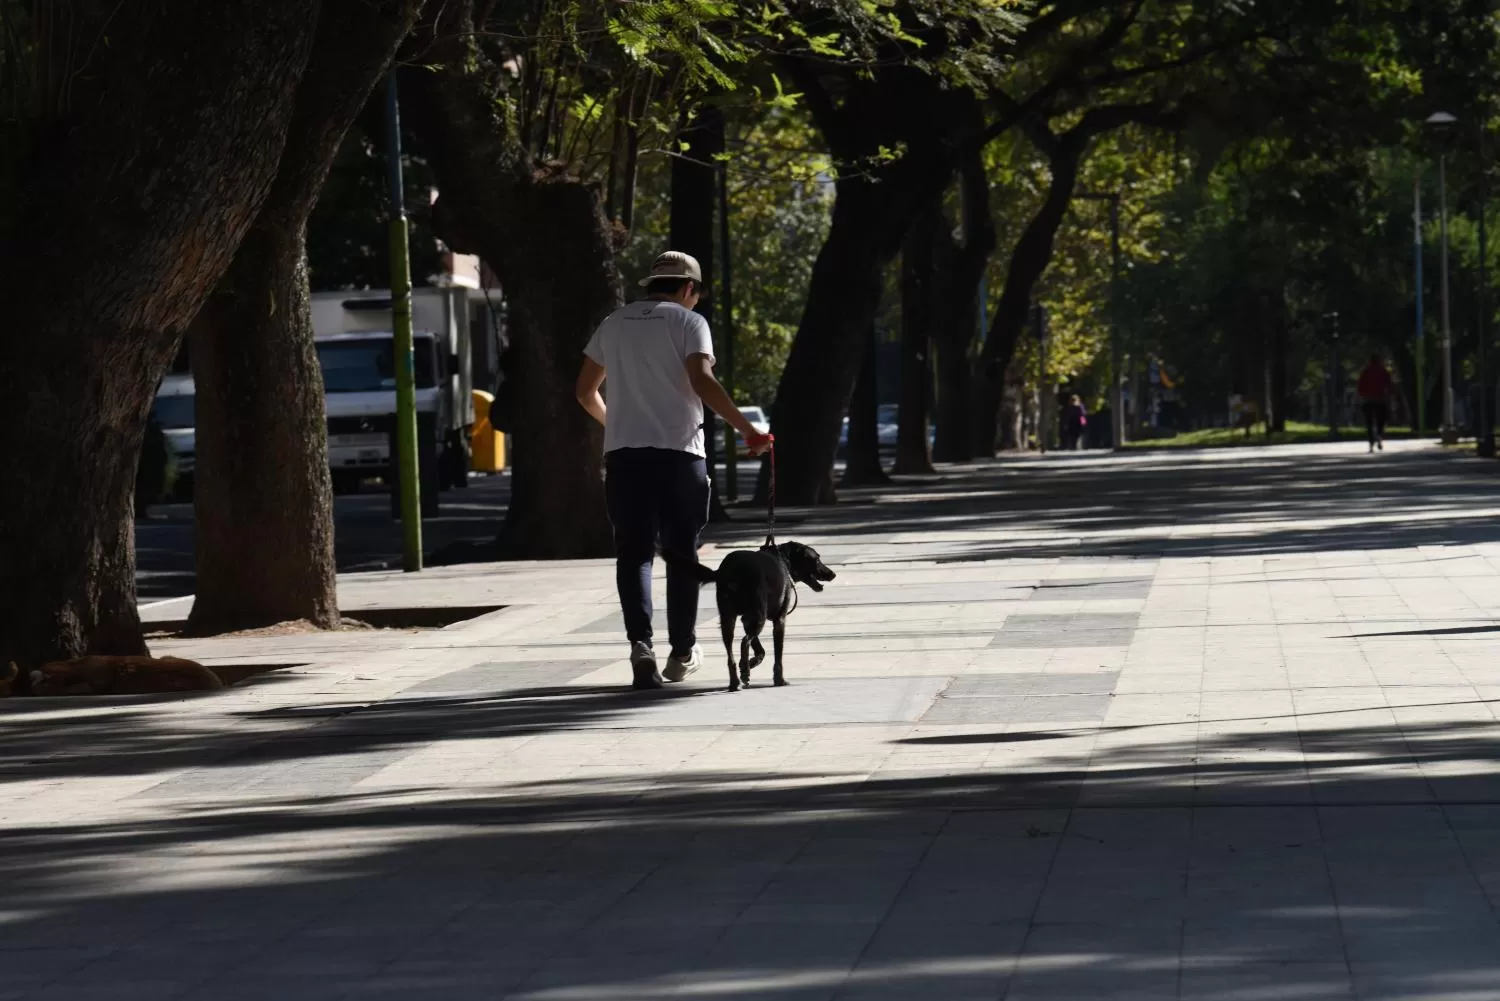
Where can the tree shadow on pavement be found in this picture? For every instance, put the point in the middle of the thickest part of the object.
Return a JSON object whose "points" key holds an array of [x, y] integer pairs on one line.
{"points": [[1272, 505], [1179, 862]]}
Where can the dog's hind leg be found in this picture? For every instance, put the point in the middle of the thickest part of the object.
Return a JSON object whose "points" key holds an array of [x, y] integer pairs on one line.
{"points": [[726, 626], [745, 664], [778, 634], [760, 652]]}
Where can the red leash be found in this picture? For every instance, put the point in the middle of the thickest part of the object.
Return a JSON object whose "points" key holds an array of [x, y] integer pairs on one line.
{"points": [[771, 496]]}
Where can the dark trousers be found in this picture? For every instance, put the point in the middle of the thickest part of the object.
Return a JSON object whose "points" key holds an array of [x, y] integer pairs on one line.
{"points": [[656, 494], [1375, 417]]}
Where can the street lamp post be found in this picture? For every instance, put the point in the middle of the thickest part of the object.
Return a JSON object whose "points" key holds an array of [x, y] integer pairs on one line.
{"points": [[405, 460], [1335, 381], [1486, 431], [1419, 396], [1450, 429], [1048, 393], [1116, 374]]}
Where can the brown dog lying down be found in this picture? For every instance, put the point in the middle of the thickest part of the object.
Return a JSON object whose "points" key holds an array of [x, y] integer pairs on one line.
{"points": [[117, 676]]}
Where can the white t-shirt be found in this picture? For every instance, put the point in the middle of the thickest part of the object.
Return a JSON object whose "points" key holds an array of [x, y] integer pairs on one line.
{"points": [[651, 403]]}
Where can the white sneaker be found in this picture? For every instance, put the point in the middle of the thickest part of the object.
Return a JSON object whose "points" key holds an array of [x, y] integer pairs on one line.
{"points": [[643, 666], [680, 667]]}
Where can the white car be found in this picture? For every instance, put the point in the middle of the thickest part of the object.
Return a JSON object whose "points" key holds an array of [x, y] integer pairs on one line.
{"points": [[885, 425], [758, 420], [887, 428]]}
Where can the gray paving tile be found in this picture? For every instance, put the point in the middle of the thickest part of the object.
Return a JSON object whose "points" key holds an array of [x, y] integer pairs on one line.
{"points": [[993, 686], [1093, 589], [1081, 629], [505, 677], [614, 622], [1250, 981], [1070, 709]]}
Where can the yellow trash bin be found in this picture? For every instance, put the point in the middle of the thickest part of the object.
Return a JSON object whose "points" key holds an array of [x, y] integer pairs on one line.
{"points": [[487, 446]]}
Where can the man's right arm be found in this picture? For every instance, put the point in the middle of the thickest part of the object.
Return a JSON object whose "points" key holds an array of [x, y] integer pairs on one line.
{"points": [[700, 372]]}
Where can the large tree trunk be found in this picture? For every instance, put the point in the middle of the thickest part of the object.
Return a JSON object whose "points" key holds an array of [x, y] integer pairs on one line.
{"points": [[544, 233], [131, 189], [823, 364], [557, 298], [262, 497], [1029, 260], [862, 462], [873, 209], [262, 500], [918, 256], [694, 196], [956, 313]]}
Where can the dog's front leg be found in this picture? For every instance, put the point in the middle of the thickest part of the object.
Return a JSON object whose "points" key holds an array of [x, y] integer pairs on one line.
{"points": [[778, 634], [760, 652]]}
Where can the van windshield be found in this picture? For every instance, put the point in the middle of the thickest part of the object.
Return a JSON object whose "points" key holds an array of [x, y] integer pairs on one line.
{"points": [[366, 366]]}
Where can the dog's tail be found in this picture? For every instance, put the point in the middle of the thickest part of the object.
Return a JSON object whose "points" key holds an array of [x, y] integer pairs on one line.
{"points": [[705, 574]]}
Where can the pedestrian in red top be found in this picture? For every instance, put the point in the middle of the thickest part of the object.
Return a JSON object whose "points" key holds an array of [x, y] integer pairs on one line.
{"points": [[1375, 386]]}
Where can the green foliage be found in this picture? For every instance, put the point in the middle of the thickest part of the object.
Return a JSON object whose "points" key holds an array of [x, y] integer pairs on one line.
{"points": [[576, 80], [1276, 188], [780, 199], [348, 239]]}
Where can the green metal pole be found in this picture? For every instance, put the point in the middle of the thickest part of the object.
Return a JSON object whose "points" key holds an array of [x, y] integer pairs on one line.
{"points": [[408, 473], [1419, 396]]}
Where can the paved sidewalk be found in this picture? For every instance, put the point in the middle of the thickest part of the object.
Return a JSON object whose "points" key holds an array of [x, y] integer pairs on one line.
{"points": [[1213, 725]]}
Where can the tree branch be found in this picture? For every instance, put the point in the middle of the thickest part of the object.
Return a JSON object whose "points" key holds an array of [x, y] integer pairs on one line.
{"points": [[1016, 112]]}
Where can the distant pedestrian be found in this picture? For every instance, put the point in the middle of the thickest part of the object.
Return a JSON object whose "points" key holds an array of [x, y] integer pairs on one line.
{"points": [[1375, 387], [1074, 419], [658, 357]]}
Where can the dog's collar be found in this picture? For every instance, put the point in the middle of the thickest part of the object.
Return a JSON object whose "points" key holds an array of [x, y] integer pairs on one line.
{"points": [[786, 567]]}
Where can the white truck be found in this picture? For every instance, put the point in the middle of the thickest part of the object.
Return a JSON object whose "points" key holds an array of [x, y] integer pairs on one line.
{"points": [[457, 346], [355, 343]]}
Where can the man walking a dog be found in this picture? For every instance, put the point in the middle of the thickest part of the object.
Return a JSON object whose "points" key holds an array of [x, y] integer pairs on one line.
{"points": [[658, 357]]}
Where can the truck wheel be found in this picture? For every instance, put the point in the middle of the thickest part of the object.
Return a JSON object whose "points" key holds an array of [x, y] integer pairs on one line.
{"points": [[345, 482]]}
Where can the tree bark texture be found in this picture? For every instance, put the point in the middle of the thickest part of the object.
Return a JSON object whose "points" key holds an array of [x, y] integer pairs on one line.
{"points": [[694, 197], [956, 316], [1028, 262], [544, 233], [131, 190], [263, 500], [875, 203], [862, 461], [914, 408]]}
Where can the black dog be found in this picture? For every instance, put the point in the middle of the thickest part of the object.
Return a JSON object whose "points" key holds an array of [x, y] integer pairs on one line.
{"points": [[754, 585]]}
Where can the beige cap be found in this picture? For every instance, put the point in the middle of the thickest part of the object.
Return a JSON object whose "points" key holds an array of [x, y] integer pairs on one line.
{"points": [[674, 264]]}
